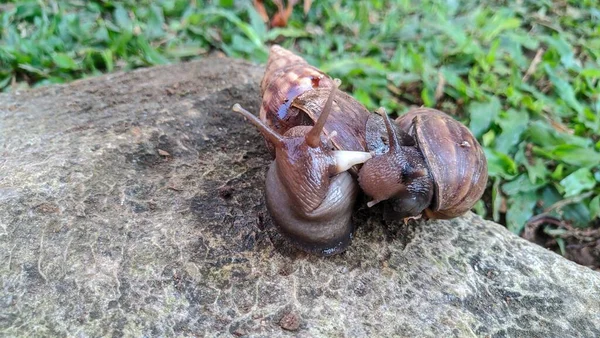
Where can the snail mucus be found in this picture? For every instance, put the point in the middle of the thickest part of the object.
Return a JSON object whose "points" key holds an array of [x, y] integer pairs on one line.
{"points": [[328, 148]]}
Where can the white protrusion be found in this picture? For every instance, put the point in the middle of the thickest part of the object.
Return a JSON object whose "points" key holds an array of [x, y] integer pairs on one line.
{"points": [[331, 135], [372, 203], [345, 159]]}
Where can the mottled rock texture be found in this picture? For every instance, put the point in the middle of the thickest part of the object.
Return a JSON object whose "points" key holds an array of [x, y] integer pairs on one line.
{"points": [[132, 205]]}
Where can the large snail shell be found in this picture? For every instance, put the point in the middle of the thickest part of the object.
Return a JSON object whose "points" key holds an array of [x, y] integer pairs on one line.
{"points": [[455, 159], [294, 94], [286, 77]]}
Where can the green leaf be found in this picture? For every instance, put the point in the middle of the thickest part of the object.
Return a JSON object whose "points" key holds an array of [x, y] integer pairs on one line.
{"points": [[559, 172], [561, 245], [564, 89], [101, 35], [567, 56], [4, 81], [34, 70], [64, 61], [595, 207], [520, 211], [150, 54], [186, 51], [256, 22], [287, 32], [122, 19], [482, 115], [519, 185], [498, 24], [242, 26], [513, 124], [107, 56], [536, 167], [500, 164], [543, 134], [496, 200], [579, 181], [577, 212], [488, 138], [427, 97], [575, 155], [355, 66], [480, 209], [363, 97], [592, 73], [155, 22]]}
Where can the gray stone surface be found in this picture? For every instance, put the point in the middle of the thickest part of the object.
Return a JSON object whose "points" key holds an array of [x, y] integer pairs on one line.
{"points": [[132, 205]]}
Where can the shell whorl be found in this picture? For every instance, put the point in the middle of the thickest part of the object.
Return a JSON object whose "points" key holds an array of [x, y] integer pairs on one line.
{"points": [[455, 159], [294, 93], [287, 76]]}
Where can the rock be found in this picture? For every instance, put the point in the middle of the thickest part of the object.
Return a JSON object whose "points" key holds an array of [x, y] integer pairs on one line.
{"points": [[290, 321], [132, 205]]}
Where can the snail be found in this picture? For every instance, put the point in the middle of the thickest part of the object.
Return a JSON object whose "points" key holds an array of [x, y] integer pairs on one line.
{"points": [[440, 172], [328, 147], [309, 193]]}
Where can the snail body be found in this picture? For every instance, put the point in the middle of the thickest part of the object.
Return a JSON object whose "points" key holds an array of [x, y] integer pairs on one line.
{"points": [[328, 147], [309, 193]]}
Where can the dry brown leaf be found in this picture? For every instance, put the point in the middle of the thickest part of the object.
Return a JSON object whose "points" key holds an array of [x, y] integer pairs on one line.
{"points": [[280, 19], [307, 4], [559, 126], [439, 90], [260, 8]]}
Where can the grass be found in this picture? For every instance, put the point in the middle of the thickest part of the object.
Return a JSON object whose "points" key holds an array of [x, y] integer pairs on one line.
{"points": [[524, 76]]}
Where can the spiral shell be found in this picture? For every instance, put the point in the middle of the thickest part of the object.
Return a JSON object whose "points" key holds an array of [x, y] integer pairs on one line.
{"points": [[455, 159], [294, 93]]}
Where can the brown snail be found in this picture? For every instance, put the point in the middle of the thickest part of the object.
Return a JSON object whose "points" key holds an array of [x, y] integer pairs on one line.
{"points": [[320, 136], [309, 193], [441, 172]]}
